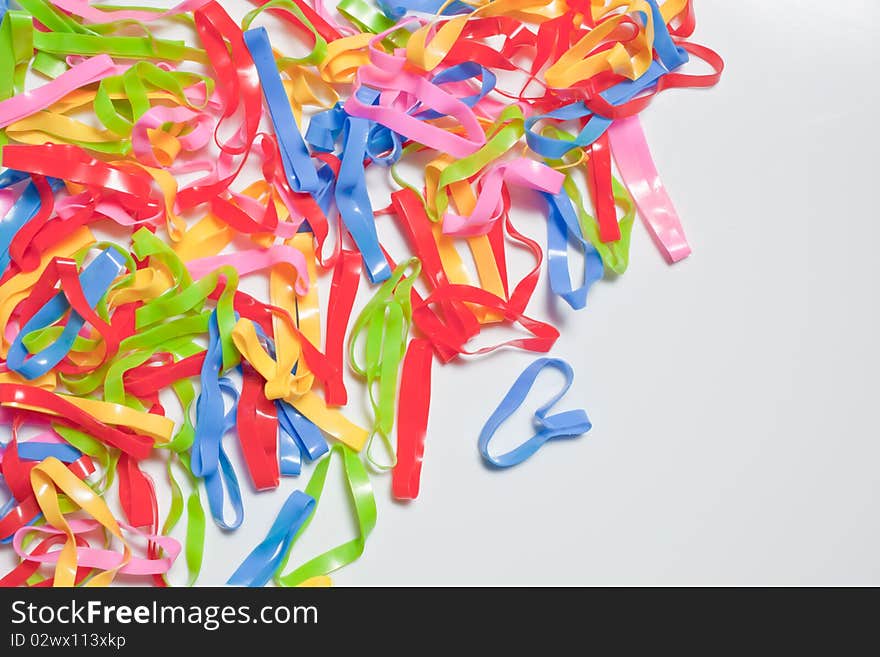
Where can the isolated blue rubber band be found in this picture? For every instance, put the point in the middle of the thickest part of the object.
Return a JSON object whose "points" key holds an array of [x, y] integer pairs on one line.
{"points": [[568, 424]]}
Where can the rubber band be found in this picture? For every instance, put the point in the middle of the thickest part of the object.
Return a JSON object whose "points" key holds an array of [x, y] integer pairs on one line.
{"points": [[259, 442], [301, 175], [569, 424], [83, 9], [384, 322], [209, 460], [563, 227], [257, 569], [364, 505], [45, 477], [412, 419], [91, 70], [351, 191], [105, 560], [93, 284], [637, 169]]}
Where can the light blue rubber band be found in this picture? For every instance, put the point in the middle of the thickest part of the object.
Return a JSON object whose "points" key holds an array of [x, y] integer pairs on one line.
{"points": [[568, 424]]}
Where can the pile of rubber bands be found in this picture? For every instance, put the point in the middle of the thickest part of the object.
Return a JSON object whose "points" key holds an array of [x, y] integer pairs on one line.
{"points": [[108, 126]]}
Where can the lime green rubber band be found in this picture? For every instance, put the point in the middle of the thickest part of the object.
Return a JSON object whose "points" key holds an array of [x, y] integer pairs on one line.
{"points": [[386, 318], [53, 19], [116, 46], [48, 65], [16, 50], [368, 18], [319, 51]]}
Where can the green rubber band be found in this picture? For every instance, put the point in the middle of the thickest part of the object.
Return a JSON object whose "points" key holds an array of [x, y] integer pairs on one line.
{"points": [[55, 20], [364, 504], [386, 318], [48, 65], [615, 255], [319, 51], [504, 135], [120, 115], [368, 18], [106, 457], [125, 47], [16, 50]]}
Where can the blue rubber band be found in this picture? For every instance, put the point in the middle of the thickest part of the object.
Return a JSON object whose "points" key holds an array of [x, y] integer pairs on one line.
{"points": [[324, 197], [459, 73], [671, 55], [9, 177], [95, 279], [305, 432], [360, 138], [325, 127], [209, 460], [384, 146], [396, 9], [37, 451], [259, 566], [353, 200], [563, 226], [289, 452], [568, 424], [298, 435]]}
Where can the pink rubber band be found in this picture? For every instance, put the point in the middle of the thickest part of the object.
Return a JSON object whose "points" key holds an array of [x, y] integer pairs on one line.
{"points": [[387, 73], [253, 260], [76, 60], [99, 558], [489, 207], [636, 166], [69, 205], [430, 96], [23, 105], [330, 19]]}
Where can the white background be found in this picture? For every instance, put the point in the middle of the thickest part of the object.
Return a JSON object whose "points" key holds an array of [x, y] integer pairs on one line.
{"points": [[732, 395]]}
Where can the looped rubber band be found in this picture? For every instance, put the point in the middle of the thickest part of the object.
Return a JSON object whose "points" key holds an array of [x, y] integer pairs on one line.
{"points": [[568, 424]]}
